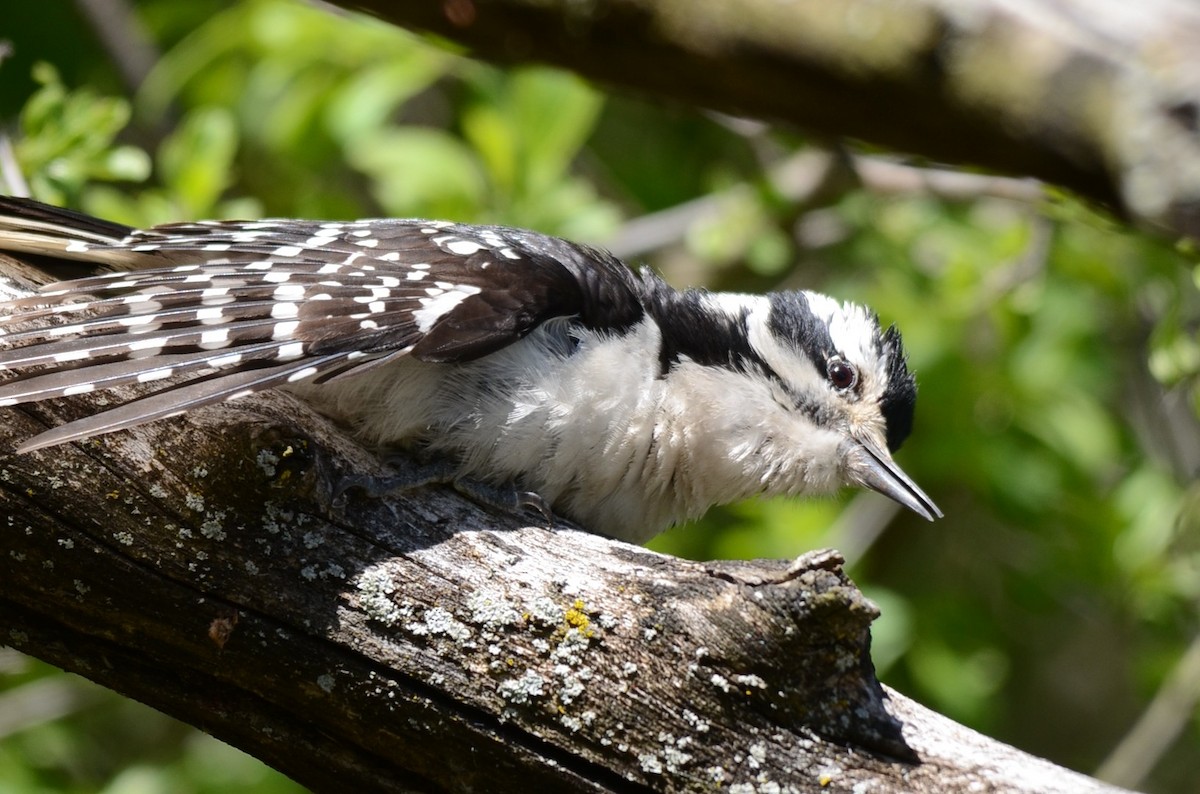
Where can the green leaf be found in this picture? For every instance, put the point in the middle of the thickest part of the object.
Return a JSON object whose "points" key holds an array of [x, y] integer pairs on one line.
{"points": [[420, 172], [196, 161], [125, 163], [493, 137], [364, 103], [554, 113], [529, 126], [68, 139]]}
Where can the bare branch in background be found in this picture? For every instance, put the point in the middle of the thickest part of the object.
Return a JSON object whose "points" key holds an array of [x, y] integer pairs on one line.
{"points": [[124, 39], [10, 169], [812, 178], [1160, 725], [1097, 96]]}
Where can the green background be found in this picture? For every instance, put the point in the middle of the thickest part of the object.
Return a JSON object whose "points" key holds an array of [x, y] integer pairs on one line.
{"points": [[1056, 351]]}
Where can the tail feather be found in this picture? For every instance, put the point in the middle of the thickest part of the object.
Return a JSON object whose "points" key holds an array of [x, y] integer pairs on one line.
{"points": [[179, 399], [31, 227]]}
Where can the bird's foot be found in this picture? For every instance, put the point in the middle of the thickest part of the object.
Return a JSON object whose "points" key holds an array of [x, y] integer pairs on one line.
{"points": [[507, 498], [407, 474]]}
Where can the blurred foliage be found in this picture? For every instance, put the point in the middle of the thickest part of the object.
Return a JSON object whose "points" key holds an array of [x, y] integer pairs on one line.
{"points": [[1057, 352], [67, 140]]}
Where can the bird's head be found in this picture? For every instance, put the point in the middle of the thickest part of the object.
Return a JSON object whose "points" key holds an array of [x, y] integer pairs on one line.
{"points": [[844, 383]]}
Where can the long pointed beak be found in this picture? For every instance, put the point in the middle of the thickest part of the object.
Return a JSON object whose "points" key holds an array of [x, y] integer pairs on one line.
{"points": [[872, 467]]}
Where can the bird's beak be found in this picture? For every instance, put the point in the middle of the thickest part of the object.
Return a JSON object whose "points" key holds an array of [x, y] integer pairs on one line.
{"points": [[870, 465]]}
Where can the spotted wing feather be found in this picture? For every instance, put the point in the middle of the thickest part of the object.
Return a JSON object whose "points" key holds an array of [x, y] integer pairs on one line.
{"points": [[240, 306]]}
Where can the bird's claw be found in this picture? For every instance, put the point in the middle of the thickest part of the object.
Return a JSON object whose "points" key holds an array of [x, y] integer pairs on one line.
{"points": [[532, 501]]}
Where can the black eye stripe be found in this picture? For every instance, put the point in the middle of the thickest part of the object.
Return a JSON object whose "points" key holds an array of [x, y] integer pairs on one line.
{"points": [[793, 321]]}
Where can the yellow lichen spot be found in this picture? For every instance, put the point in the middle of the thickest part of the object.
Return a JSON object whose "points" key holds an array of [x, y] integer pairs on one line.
{"points": [[511, 662], [577, 617], [113, 495], [825, 780], [287, 452]]}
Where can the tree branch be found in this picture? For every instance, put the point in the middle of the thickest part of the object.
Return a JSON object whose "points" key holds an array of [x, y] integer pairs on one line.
{"points": [[1089, 95], [417, 643]]}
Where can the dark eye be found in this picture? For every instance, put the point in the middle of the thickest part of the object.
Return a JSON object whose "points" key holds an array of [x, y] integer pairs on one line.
{"points": [[842, 373]]}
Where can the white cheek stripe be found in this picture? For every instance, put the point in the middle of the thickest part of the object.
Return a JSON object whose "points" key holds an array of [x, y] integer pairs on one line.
{"points": [[794, 368]]}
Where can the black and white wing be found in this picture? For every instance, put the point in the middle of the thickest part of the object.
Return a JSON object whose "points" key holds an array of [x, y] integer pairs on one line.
{"points": [[218, 310]]}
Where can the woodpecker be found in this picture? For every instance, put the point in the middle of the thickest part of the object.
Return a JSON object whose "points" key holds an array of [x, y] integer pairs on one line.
{"points": [[521, 361]]}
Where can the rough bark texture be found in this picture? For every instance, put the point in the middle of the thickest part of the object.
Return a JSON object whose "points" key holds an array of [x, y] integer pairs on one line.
{"points": [[1100, 96], [202, 566]]}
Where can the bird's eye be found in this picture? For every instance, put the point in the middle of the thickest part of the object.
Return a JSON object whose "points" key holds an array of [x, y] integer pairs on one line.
{"points": [[842, 373]]}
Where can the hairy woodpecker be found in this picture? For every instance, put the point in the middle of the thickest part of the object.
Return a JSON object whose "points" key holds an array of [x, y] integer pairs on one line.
{"points": [[524, 360]]}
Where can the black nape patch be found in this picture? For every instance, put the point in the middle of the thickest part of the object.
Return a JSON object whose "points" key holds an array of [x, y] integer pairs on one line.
{"points": [[691, 328], [900, 397]]}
